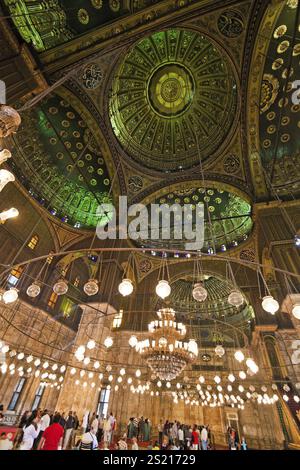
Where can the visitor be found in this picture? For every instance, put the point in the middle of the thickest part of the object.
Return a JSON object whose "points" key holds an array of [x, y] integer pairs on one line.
{"points": [[62, 420], [195, 438], [122, 443], [31, 431], [107, 431], [160, 429], [112, 422], [95, 424], [141, 429], [100, 429], [134, 445], [244, 445], [130, 429], [156, 446], [19, 434], [88, 441], [5, 442], [180, 436], [69, 428], [44, 423], [204, 438], [52, 437], [165, 442], [136, 427], [147, 430]]}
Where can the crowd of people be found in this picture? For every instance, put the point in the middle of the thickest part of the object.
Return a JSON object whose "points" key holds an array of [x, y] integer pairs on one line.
{"points": [[42, 430]]}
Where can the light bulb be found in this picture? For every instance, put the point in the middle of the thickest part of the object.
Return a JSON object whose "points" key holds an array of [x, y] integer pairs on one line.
{"points": [[91, 344], [108, 342], [10, 296], [60, 287], [239, 356], [9, 214], [163, 289], [126, 287], [242, 375], [235, 298], [199, 293], [138, 373], [5, 349], [270, 305], [97, 365], [219, 350], [133, 341], [231, 378], [5, 154], [91, 287], [73, 371], [122, 372], [86, 360], [217, 379], [33, 290], [296, 311], [5, 177]]}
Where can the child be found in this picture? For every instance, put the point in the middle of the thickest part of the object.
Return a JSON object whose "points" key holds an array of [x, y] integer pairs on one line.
{"points": [[244, 444]]}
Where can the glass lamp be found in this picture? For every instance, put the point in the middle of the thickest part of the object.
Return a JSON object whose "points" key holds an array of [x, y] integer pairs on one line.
{"points": [[10, 296], [9, 214], [60, 287], [163, 289], [33, 290], [235, 298], [5, 178], [126, 287], [199, 293], [4, 155], [91, 287], [270, 305], [296, 311]]}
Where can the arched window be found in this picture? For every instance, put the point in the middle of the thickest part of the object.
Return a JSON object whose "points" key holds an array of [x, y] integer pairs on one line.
{"points": [[117, 321], [15, 275], [32, 244]]}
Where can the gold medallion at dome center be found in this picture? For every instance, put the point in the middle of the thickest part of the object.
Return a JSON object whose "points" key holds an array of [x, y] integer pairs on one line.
{"points": [[170, 90]]}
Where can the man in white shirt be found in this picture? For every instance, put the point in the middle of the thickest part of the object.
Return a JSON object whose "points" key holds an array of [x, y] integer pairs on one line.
{"points": [[181, 436], [5, 443], [44, 423], [204, 437]]}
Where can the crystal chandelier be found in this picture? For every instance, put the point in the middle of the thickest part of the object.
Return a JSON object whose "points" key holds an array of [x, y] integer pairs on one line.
{"points": [[166, 352]]}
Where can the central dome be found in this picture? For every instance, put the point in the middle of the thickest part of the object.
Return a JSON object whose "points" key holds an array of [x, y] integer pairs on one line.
{"points": [[170, 90], [174, 97]]}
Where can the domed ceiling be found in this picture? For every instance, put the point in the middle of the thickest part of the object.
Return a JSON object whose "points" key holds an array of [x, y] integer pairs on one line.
{"points": [[173, 93], [227, 216], [280, 116], [59, 161]]}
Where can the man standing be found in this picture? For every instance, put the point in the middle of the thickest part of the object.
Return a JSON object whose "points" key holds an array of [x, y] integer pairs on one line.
{"points": [[69, 427], [45, 422], [160, 429], [112, 421], [95, 425], [52, 436], [204, 438]]}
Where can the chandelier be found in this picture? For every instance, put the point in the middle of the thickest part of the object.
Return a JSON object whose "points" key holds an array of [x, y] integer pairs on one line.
{"points": [[166, 352]]}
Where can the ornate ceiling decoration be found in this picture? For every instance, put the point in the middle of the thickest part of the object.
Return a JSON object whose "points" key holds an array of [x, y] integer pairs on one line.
{"points": [[49, 23], [227, 215], [174, 92], [280, 116], [61, 162]]}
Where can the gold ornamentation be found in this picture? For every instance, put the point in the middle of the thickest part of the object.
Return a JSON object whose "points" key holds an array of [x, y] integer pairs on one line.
{"points": [[83, 16], [277, 63], [114, 5], [97, 4], [280, 31], [269, 92], [283, 46]]}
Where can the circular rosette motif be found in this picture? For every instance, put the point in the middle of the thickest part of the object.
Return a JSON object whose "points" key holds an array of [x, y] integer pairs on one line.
{"points": [[173, 95]]}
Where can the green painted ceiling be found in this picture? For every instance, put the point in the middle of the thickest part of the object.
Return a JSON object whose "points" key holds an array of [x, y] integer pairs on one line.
{"points": [[174, 92], [280, 117], [229, 214], [48, 23], [59, 161]]}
